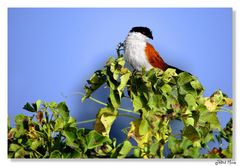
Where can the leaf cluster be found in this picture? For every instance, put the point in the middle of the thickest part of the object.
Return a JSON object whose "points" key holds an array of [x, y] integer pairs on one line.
{"points": [[157, 98], [51, 133]]}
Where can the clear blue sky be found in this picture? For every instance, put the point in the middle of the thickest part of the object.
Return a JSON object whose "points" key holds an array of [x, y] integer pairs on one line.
{"points": [[54, 51]]}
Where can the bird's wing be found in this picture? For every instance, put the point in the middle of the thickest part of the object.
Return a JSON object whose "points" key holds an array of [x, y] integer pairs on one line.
{"points": [[154, 58]]}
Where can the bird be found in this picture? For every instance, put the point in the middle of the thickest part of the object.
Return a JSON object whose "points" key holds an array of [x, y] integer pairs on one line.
{"points": [[139, 53]]}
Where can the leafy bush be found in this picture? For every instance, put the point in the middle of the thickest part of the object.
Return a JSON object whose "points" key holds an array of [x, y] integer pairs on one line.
{"points": [[57, 136], [157, 98]]}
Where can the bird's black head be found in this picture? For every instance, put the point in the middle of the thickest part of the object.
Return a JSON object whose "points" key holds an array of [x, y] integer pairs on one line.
{"points": [[143, 30]]}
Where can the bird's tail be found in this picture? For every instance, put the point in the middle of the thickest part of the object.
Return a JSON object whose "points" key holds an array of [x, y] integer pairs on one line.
{"points": [[178, 70]]}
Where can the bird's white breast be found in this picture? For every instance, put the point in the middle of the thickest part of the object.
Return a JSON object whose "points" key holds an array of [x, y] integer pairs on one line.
{"points": [[134, 52]]}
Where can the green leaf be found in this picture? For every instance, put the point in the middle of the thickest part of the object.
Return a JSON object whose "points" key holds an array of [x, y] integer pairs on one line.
{"points": [[209, 137], [121, 61], [10, 155], [35, 144], [192, 152], [197, 144], [191, 133], [51, 105], [115, 75], [169, 102], [134, 133], [185, 143], [188, 121], [76, 154], [36, 105], [19, 119], [126, 148], [113, 67], [94, 139], [154, 147], [14, 147], [137, 152], [112, 83], [168, 75], [124, 79], [72, 122], [184, 78], [55, 154], [71, 136], [105, 118], [174, 144], [187, 89], [63, 111], [59, 124], [105, 150], [137, 104], [143, 127], [107, 121], [166, 88], [97, 80], [114, 98], [216, 101], [211, 118], [110, 61], [29, 108], [156, 102], [21, 153], [190, 101], [21, 122], [197, 86]]}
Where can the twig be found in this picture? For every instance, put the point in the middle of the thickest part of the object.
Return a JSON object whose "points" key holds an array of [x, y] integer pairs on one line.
{"points": [[86, 121], [93, 120], [105, 104], [225, 110]]}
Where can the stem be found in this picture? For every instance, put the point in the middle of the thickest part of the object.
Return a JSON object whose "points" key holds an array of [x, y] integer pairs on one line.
{"points": [[86, 121], [37, 152], [47, 116], [208, 148], [51, 117], [225, 110], [93, 120], [105, 104], [126, 110], [97, 101]]}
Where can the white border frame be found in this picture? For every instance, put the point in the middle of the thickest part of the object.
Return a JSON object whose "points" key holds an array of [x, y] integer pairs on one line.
{"points": [[5, 4]]}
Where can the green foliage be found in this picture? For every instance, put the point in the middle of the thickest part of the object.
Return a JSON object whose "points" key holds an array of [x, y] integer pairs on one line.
{"points": [[157, 97], [52, 133]]}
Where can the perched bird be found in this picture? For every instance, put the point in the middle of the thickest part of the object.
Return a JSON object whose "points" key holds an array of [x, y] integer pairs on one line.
{"points": [[139, 53]]}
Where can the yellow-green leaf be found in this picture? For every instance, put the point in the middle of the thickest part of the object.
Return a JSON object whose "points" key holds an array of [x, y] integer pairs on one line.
{"points": [[143, 127]]}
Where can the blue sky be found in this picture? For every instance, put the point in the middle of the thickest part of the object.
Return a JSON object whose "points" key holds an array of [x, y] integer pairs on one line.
{"points": [[52, 52]]}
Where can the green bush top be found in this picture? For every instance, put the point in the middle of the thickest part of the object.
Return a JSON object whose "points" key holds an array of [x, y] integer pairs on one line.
{"points": [[157, 97]]}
